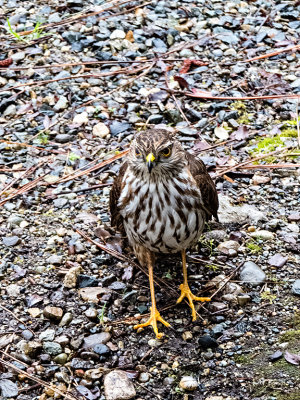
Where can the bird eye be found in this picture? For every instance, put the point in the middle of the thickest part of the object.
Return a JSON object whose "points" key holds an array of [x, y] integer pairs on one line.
{"points": [[138, 153], [166, 152]]}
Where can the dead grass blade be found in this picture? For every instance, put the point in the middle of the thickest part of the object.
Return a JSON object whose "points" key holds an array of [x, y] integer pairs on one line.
{"points": [[240, 165], [200, 94], [77, 174], [274, 53]]}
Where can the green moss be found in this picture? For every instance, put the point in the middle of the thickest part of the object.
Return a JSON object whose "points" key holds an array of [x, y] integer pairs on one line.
{"points": [[243, 359], [291, 336], [287, 396], [296, 320], [289, 132], [267, 295], [254, 248]]}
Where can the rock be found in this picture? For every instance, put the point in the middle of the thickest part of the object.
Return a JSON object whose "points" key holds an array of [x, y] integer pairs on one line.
{"points": [[54, 259], [294, 217], [117, 386], [64, 138], [13, 290], [263, 235], [277, 260], [92, 294], [60, 202], [61, 104], [11, 241], [8, 388], [34, 312], [230, 247], [81, 118], [70, 280], [251, 273], [61, 358], [91, 341], [87, 281], [91, 313], [188, 383], [118, 127], [216, 234], [118, 34], [243, 299], [10, 111], [207, 342], [101, 349], [296, 287], [52, 348], [32, 348], [66, 319], [229, 213], [260, 179], [48, 335], [144, 377], [100, 130], [78, 363], [296, 84], [54, 313], [275, 356]]}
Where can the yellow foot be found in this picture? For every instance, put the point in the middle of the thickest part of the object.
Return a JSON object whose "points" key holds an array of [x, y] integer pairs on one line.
{"points": [[154, 317], [186, 292]]}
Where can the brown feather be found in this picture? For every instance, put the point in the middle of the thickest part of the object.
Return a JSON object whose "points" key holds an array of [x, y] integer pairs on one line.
{"points": [[205, 184], [116, 218]]}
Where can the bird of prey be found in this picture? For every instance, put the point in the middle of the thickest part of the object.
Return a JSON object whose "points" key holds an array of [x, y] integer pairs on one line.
{"points": [[162, 198]]}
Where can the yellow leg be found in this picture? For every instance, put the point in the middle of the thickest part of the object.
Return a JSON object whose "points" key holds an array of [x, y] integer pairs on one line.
{"points": [[186, 291], [154, 314]]}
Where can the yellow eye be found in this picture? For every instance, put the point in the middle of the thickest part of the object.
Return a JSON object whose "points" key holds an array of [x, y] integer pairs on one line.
{"points": [[138, 153], [166, 152]]}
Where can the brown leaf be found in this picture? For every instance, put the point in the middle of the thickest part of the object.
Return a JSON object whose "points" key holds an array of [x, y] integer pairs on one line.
{"points": [[292, 358], [182, 81], [187, 64], [129, 36], [102, 234], [241, 133], [6, 63]]}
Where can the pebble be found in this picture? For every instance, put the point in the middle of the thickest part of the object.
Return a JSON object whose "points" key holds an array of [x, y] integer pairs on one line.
{"points": [[296, 287], [48, 335], [207, 342], [11, 241], [81, 119], [52, 348], [277, 260], [243, 299], [118, 34], [10, 111], [8, 388], [144, 377], [188, 383], [70, 279], [98, 338], [55, 259], [13, 290], [117, 386], [100, 130], [54, 313], [61, 104], [230, 247], [90, 294], [66, 319], [263, 235], [251, 273]]}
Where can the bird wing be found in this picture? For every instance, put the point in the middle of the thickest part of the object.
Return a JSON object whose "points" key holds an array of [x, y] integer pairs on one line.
{"points": [[206, 185], [115, 193]]}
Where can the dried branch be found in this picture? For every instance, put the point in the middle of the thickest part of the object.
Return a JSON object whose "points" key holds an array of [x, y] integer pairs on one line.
{"points": [[199, 94], [274, 53]]}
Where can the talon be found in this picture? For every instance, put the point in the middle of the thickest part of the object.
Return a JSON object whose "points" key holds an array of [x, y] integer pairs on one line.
{"points": [[186, 292], [154, 317]]}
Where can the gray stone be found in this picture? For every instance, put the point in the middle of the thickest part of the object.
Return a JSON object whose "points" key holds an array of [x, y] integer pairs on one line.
{"points": [[11, 241], [117, 386], [66, 319], [8, 389], [61, 358], [263, 235], [296, 287], [277, 260], [61, 104], [251, 273], [225, 247], [60, 202], [54, 259], [63, 138], [296, 83], [48, 335], [10, 111], [229, 213], [52, 348], [98, 338]]}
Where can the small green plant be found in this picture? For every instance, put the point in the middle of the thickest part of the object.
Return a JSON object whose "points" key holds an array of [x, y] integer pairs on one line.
{"points": [[35, 34], [102, 314], [73, 157], [254, 248], [212, 267], [267, 295], [43, 138], [208, 244]]}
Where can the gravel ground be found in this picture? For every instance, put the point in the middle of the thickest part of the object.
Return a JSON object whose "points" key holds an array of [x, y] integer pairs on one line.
{"points": [[67, 307]]}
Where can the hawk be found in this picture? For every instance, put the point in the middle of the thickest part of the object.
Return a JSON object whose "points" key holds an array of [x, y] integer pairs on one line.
{"points": [[162, 198]]}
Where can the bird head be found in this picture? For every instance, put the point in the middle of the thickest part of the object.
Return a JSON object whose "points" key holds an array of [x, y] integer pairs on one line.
{"points": [[156, 151]]}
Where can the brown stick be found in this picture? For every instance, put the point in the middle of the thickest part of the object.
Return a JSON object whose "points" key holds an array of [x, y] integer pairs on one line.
{"points": [[208, 96], [274, 53]]}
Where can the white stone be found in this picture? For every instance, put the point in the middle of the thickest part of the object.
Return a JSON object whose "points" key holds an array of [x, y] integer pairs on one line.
{"points": [[101, 130], [117, 386], [81, 118], [118, 34]]}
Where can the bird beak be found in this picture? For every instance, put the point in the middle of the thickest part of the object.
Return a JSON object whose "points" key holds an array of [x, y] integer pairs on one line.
{"points": [[150, 158]]}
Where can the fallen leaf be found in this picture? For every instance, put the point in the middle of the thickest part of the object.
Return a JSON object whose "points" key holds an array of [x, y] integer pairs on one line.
{"points": [[221, 133], [292, 358], [129, 36], [241, 133], [84, 391], [182, 81], [102, 234], [187, 64]]}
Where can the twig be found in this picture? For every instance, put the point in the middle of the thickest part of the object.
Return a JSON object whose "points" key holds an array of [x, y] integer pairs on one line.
{"points": [[100, 75], [253, 160], [15, 317], [68, 396], [296, 47], [207, 95]]}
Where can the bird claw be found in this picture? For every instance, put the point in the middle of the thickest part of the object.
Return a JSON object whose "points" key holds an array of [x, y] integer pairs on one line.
{"points": [[154, 317], [186, 292]]}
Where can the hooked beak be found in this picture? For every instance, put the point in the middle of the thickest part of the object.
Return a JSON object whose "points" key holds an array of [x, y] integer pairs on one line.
{"points": [[150, 158]]}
